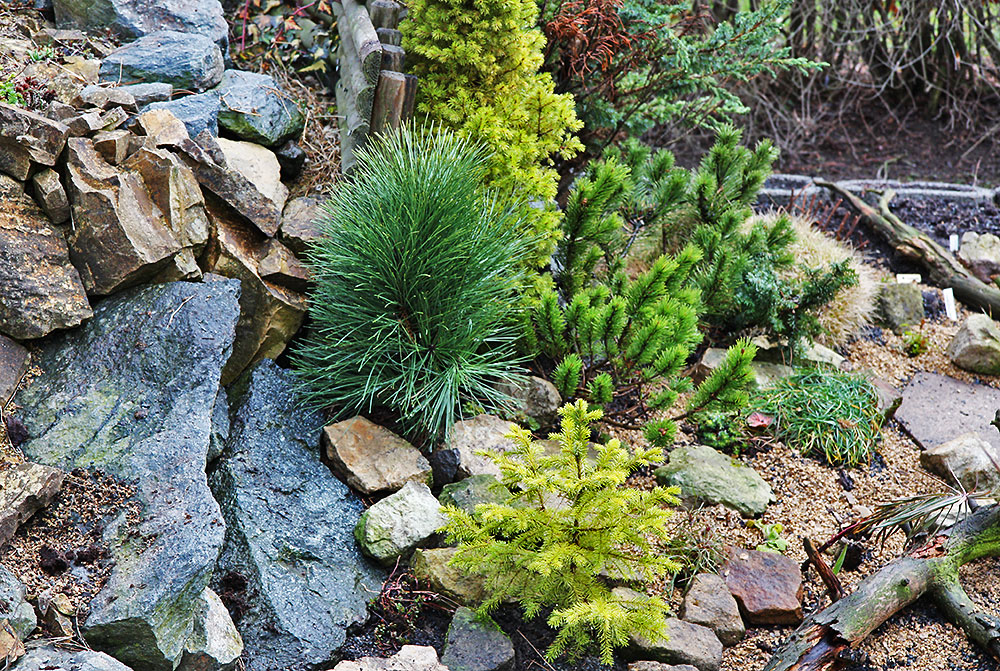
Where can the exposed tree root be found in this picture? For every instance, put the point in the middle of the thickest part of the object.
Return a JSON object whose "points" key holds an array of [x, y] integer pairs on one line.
{"points": [[931, 569]]}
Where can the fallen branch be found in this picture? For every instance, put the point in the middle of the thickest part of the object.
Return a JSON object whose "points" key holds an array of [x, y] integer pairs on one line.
{"points": [[931, 569], [943, 268], [826, 574]]}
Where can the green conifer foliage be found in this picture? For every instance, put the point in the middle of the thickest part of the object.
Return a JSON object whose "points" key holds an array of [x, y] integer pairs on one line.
{"points": [[478, 63], [569, 520], [416, 276]]}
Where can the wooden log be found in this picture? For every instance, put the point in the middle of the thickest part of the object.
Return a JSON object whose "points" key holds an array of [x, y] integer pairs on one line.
{"points": [[390, 96], [409, 102], [385, 13], [355, 25], [353, 128], [393, 58], [390, 36], [942, 267], [357, 83]]}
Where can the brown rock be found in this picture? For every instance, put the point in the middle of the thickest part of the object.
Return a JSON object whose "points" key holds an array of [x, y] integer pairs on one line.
{"points": [[40, 291], [10, 645], [298, 223], [372, 459], [25, 137], [104, 97], [13, 366], [113, 118], [280, 266], [232, 188], [767, 586], [258, 165], [113, 145], [121, 237], [269, 314], [51, 195], [162, 127], [25, 488], [85, 124]]}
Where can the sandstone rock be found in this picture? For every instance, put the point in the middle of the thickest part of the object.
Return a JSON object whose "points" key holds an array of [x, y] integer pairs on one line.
{"points": [[14, 608], [765, 373], [214, 642], [105, 97], [484, 432], [11, 646], [58, 613], [473, 491], [25, 488], [52, 658], [184, 60], [131, 393], [409, 658], [162, 127], [255, 108], [269, 314], [121, 237], [976, 346], [25, 137], [113, 145], [289, 524], [399, 523], [767, 586], [705, 475], [686, 643], [535, 397], [130, 19], [51, 196], [298, 223], [13, 365], [372, 459], [232, 188], [280, 266], [84, 124], [709, 603], [40, 290], [144, 94], [433, 566], [968, 459], [901, 306], [476, 644], [259, 166], [197, 112], [980, 253], [65, 79], [937, 408]]}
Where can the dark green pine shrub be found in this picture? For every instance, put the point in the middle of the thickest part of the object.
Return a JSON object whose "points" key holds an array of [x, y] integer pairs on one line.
{"points": [[416, 277], [569, 522]]}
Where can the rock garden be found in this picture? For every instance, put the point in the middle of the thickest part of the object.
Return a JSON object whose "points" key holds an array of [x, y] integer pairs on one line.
{"points": [[344, 336]]}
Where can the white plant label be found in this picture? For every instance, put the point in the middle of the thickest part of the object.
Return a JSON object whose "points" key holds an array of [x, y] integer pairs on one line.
{"points": [[908, 278], [953, 242], [949, 304]]}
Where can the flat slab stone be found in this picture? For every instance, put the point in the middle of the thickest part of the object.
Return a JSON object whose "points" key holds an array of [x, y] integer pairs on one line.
{"points": [[937, 408], [766, 585]]}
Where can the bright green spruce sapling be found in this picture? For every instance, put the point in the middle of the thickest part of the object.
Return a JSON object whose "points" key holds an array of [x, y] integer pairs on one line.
{"points": [[568, 521]]}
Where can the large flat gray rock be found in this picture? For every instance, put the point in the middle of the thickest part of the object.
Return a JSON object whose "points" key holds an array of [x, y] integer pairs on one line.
{"points": [[289, 525], [132, 394], [937, 408]]}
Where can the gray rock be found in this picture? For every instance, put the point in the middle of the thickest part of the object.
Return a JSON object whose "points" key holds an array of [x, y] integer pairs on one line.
{"points": [[13, 365], [131, 393], [255, 108], [40, 290], [980, 254], [184, 60], [130, 19], [13, 606], [535, 397], [433, 565], [289, 524], [686, 643], [399, 523], [372, 459], [292, 159], [484, 432], [709, 603], [298, 223], [214, 643], [705, 475], [220, 427], [473, 491], [937, 408], [475, 644], [153, 92], [968, 459], [51, 658], [766, 585], [901, 306], [409, 658], [25, 488], [104, 97], [199, 112], [976, 346]]}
